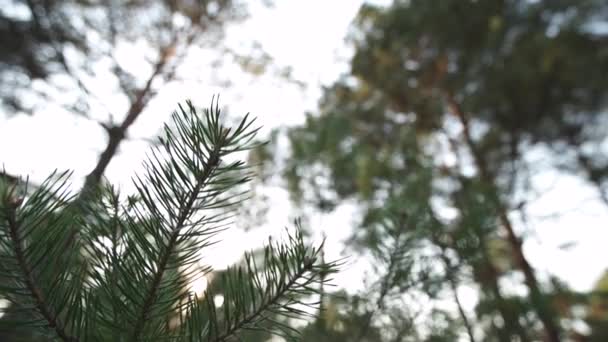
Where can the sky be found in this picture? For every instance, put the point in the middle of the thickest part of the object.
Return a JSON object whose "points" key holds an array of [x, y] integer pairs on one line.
{"points": [[307, 36]]}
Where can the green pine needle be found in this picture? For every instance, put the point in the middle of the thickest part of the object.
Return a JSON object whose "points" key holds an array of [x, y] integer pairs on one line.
{"points": [[125, 275]]}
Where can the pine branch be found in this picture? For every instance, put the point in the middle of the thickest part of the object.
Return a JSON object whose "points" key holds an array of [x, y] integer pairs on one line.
{"points": [[191, 179], [258, 313], [212, 164], [123, 275], [21, 221], [30, 283], [257, 297]]}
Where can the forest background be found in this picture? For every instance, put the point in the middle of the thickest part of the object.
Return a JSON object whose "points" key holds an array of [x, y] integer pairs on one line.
{"points": [[455, 151]]}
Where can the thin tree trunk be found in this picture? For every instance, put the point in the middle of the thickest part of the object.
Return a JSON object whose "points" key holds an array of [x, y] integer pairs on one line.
{"points": [[543, 310]]}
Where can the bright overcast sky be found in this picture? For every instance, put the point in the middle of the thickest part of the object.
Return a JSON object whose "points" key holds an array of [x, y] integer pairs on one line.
{"points": [[308, 36]]}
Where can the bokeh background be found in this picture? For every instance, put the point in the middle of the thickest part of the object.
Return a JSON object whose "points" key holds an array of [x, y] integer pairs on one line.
{"points": [[453, 151]]}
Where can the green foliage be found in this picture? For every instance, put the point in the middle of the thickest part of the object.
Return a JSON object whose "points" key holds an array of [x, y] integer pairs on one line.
{"points": [[111, 269], [515, 63], [434, 118]]}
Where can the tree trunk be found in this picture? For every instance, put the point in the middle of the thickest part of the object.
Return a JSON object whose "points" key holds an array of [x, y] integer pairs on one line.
{"points": [[543, 310]]}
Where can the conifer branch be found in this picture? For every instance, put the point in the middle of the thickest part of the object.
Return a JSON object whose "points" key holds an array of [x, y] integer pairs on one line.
{"points": [[185, 211], [264, 307], [9, 206], [93, 289], [256, 298]]}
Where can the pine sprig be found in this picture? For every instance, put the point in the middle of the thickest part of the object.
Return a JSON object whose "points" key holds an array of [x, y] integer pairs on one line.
{"points": [[185, 176], [127, 271], [31, 231], [264, 296]]}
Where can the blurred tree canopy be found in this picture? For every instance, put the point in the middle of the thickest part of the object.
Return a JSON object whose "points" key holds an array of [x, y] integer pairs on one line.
{"points": [[432, 124], [71, 54], [46, 38]]}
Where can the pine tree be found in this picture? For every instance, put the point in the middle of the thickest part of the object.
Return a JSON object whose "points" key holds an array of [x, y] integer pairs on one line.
{"points": [[115, 268], [460, 92]]}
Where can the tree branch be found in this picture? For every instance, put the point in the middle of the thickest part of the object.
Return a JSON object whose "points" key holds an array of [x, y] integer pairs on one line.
{"points": [[214, 160], [117, 134], [264, 307], [30, 282]]}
